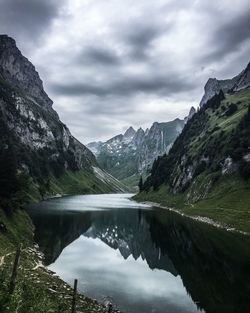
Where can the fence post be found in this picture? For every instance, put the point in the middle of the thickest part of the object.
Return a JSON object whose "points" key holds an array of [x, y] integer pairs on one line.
{"points": [[14, 270], [74, 297]]}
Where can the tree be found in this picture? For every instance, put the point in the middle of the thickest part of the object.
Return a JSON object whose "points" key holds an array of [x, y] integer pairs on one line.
{"points": [[8, 164], [140, 185]]}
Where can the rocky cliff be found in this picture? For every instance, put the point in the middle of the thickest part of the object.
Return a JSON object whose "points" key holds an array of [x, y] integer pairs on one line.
{"points": [[134, 152], [42, 146], [213, 85]]}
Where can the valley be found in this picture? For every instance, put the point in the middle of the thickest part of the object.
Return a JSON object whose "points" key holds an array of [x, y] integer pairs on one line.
{"points": [[132, 217]]}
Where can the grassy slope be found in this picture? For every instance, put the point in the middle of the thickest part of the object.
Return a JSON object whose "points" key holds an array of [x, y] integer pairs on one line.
{"points": [[218, 121], [81, 182], [132, 182], [228, 202]]}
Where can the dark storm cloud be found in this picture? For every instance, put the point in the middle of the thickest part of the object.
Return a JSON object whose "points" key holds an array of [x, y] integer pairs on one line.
{"points": [[140, 35], [128, 86], [229, 37], [27, 20], [98, 56], [120, 62], [77, 89]]}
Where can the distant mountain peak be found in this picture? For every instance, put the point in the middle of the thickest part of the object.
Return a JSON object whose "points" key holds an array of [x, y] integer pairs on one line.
{"points": [[134, 152], [130, 132]]}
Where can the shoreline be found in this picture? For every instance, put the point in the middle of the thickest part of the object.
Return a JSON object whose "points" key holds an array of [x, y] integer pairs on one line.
{"points": [[198, 218], [32, 271]]}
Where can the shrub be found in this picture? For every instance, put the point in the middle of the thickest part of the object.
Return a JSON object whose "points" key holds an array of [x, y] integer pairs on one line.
{"points": [[244, 169], [232, 109]]}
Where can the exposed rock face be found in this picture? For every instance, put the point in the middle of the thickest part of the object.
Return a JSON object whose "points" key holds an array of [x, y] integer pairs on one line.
{"points": [[19, 72], [29, 113], [243, 80], [190, 115], [135, 151], [213, 85], [43, 144], [215, 142]]}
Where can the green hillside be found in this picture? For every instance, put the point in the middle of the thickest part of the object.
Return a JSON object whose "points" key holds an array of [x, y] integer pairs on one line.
{"points": [[207, 171]]}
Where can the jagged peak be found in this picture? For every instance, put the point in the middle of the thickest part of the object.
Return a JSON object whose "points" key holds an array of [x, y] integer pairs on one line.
{"points": [[129, 132], [191, 113], [140, 130], [238, 82], [7, 41]]}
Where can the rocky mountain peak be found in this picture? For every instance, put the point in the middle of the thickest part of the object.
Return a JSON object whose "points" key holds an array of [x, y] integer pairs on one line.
{"points": [[213, 85], [243, 79], [191, 113], [130, 132], [20, 73], [139, 136]]}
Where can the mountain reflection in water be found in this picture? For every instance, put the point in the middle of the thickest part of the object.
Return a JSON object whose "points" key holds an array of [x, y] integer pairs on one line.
{"points": [[146, 259]]}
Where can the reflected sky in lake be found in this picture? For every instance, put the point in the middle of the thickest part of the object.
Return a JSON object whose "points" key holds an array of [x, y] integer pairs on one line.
{"points": [[104, 272]]}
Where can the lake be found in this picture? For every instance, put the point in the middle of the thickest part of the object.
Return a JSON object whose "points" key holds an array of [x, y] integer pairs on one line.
{"points": [[144, 259]]}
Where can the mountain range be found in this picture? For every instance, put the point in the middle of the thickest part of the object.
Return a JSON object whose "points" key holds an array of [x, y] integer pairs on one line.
{"points": [[129, 155], [37, 150], [207, 170]]}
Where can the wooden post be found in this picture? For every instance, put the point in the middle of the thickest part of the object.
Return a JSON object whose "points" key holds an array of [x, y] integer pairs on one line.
{"points": [[109, 307], [14, 270], [74, 297]]}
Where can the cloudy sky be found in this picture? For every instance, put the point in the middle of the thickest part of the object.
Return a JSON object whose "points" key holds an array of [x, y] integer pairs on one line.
{"points": [[109, 64]]}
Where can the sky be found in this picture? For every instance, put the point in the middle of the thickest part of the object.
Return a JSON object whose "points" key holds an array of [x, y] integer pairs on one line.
{"points": [[111, 64]]}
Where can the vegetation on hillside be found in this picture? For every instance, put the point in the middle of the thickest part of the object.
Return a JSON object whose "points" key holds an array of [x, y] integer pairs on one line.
{"points": [[207, 171], [207, 140]]}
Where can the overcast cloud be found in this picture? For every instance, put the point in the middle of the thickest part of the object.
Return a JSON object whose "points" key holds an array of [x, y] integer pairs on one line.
{"points": [[111, 64]]}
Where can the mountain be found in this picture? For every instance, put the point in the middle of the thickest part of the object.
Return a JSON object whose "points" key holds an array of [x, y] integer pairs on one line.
{"points": [[208, 165], [131, 154], [213, 85], [37, 150], [190, 114]]}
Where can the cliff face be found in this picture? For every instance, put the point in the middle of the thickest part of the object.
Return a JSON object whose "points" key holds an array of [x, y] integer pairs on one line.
{"points": [[214, 143], [43, 146], [133, 152], [16, 70], [213, 85]]}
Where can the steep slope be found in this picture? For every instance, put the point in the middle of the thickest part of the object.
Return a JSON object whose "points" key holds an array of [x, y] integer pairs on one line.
{"points": [[208, 167], [35, 144], [128, 155]]}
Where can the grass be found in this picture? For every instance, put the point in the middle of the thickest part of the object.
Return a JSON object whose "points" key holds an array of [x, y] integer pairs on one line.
{"points": [[219, 121], [227, 203], [132, 182], [81, 182]]}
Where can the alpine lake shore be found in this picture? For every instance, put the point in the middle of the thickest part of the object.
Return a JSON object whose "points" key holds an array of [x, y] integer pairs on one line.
{"points": [[37, 289], [227, 205]]}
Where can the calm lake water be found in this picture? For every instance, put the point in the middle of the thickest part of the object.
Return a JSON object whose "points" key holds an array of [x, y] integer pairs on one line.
{"points": [[145, 259]]}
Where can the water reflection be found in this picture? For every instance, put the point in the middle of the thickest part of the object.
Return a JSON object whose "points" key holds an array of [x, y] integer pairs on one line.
{"points": [[147, 260]]}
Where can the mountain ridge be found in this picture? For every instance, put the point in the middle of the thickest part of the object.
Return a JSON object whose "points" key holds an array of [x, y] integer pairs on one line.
{"points": [[42, 146], [132, 153], [214, 85]]}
